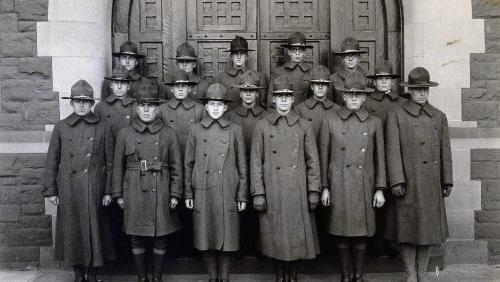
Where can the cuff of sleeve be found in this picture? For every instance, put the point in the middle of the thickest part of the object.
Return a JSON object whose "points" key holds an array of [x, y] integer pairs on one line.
{"points": [[242, 198], [397, 183], [188, 194], [380, 188], [175, 194]]}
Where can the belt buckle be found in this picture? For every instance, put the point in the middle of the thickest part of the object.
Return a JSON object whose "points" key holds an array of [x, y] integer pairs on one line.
{"points": [[144, 165]]}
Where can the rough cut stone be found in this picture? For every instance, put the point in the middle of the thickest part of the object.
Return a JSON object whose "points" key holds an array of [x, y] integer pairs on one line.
{"points": [[479, 110], [8, 23], [17, 90], [18, 44], [26, 26], [35, 10], [36, 66], [41, 112], [10, 213]]}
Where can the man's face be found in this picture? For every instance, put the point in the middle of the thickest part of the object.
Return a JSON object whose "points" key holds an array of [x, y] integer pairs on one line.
{"points": [[350, 61], [81, 107], [296, 54], [147, 112], [419, 95], [216, 108], [239, 58], [120, 88], [180, 91], [319, 90], [282, 102], [129, 62], [383, 84], [248, 96], [354, 101], [186, 65]]}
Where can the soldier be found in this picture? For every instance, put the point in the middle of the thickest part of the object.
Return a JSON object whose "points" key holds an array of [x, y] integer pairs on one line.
{"points": [[235, 68], [420, 175], [186, 60], [247, 115], [216, 183], [350, 55], [284, 169], [296, 70], [147, 181], [129, 58], [353, 174], [77, 180]]}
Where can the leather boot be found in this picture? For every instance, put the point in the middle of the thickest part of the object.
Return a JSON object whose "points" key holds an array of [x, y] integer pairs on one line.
{"points": [[280, 271], [359, 262], [79, 272], [408, 255], [157, 267], [423, 254], [345, 262], [210, 259], [141, 267], [224, 259], [292, 271], [92, 275]]}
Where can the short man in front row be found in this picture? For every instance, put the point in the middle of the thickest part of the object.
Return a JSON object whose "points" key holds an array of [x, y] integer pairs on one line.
{"points": [[236, 67], [296, 70], [284, 169], [148, 181], [216, 183], [353, 175], [419, 168], [78, 180]]}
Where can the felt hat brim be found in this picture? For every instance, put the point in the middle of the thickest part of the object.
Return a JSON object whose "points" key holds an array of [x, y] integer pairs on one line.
{"points": [[118, 54], [356, 91], [249, 87], [318, 81], [283, 92], [80, 98], [349, 52], [117, 78], [181, 82], [184, 58], [206, 99], [420, 85], [375, 76]]}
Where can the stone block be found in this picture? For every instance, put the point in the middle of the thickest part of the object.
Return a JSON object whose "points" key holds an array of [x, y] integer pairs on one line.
{"points": [[9, 62], [490, 190], [473, 93], [487, 231], [36, 66], [485, 170], [461, 164], [32, 209], [461, 224], [29, 237], [6, 6], [486, 155], [36, 221], [26, 26], [30, 160], [466, 196], [8, 22], [32, 176], [18, 44], [488, 217], [8, 72], [484, 71], [11, 107], [466, 252], [34, 10], [5, 181], [12, 254], [41, 112], [25, 194], [17, 90], [494, 247], [492, 87], [479, 110], [10, 213], [485, 9]]}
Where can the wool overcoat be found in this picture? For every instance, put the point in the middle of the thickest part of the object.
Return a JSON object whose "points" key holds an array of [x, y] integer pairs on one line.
{"points": [[352, 166], [216, 178], [118, 113], [196, 91], [147, 188], [297, 74], [136, 77], [379, 103], [284, 167], [315, 111], [78, 171], [247, 119], [419, 157]]}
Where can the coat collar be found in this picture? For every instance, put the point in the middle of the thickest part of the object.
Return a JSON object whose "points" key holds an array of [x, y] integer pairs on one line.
{"points": [[233, 71], [345, 113], [312, 102], [125, 100], [135, 74], [243, 111], [342, 72], [291, 65], [208, 121], [292, 117], [379, 96], [415, 109], [73, 118], [187, 103], [153, 127]]}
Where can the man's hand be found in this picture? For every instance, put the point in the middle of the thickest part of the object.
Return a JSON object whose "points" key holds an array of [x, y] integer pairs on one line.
{"points": [[325, 197], [189, 203], [173, 203], [242, 206], [446, 191], [54, 200], [378, 199], [120, 202], [106, 200], [259, 203], [313, 199], [398, 190]]}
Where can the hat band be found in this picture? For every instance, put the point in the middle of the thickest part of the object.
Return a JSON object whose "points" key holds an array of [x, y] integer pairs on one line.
{"points": [[283, 91], [297, 44], [82, 97], [350, 50], [181, 81], [129, 53]]}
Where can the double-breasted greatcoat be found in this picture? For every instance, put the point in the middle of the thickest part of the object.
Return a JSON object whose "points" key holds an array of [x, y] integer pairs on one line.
{"points": [[297, 74], [380, 103], [353, 167], [284, 167], [315, 111], [147, 172], [419, 157], [216, 178], [247, 119], [117, 112], [78, 171]]}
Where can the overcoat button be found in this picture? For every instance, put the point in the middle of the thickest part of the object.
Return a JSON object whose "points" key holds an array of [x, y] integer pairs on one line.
{"points": [[363, 150], [206, 171], [74, 171], [343, 148], [219, 172], [422, 142], [271, 136], [294, 166], [274, 152], [71, 155], [154, 173], [424, 162], [155, 158], [85, 170], [310, 119], [365, 133], [278, 168], [139, 141], [348, 165], [89, 154], [127, 117], [91, 138], [171, 120], [360, 167], [205, 140], [153, 190], [435, 162], [156, 143], [205, 154]]}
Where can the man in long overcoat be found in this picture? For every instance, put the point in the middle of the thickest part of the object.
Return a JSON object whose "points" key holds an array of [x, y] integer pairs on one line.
{"points": [[353, 174], [284, 169], [216, 183], [419, 168], [78, 180], [147, 181]]}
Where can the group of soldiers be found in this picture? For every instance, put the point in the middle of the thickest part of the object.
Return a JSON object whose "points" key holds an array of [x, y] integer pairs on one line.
{"points": [[207, 151]]}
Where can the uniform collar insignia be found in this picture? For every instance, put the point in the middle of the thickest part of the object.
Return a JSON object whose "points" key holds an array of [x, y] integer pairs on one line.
{"points": [[73, 118], [186, 103], [415, 109], [255, 110], [379, 96], [291, 65], [312, 102], [232, 70], [345, 113], [208, 121], [153, 127], [292, 117]]}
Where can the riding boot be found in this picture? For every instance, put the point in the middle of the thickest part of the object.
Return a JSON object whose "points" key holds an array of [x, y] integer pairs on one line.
{"points": [[358, 254], [423, 254], [345, 262], [92, 275], [280, 270], [140, 267], [224, 265], [79, 272], [210, 259], [408, 255], [157, 267]]}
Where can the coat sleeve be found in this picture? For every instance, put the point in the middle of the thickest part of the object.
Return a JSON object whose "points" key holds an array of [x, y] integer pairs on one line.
{"points": [[379, 157], [175, 167], [241, 162], [257, 159], [109, 151], [189, 155], [312, 160], [52, 163], [446, 164], [119, 162], [395, 169], [324, 151]]}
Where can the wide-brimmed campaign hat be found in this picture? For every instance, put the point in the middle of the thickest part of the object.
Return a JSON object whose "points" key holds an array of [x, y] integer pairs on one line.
{"points": [[419, 77], [383, 69], [216, 92], [81, 90], [148, 93], [180, 77], [355, 83], [349, 46], [282, 86], [185, 52], [249, 80], [120, 73], [296, 39], [319, 74], [238, 44], [128, 48]]}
